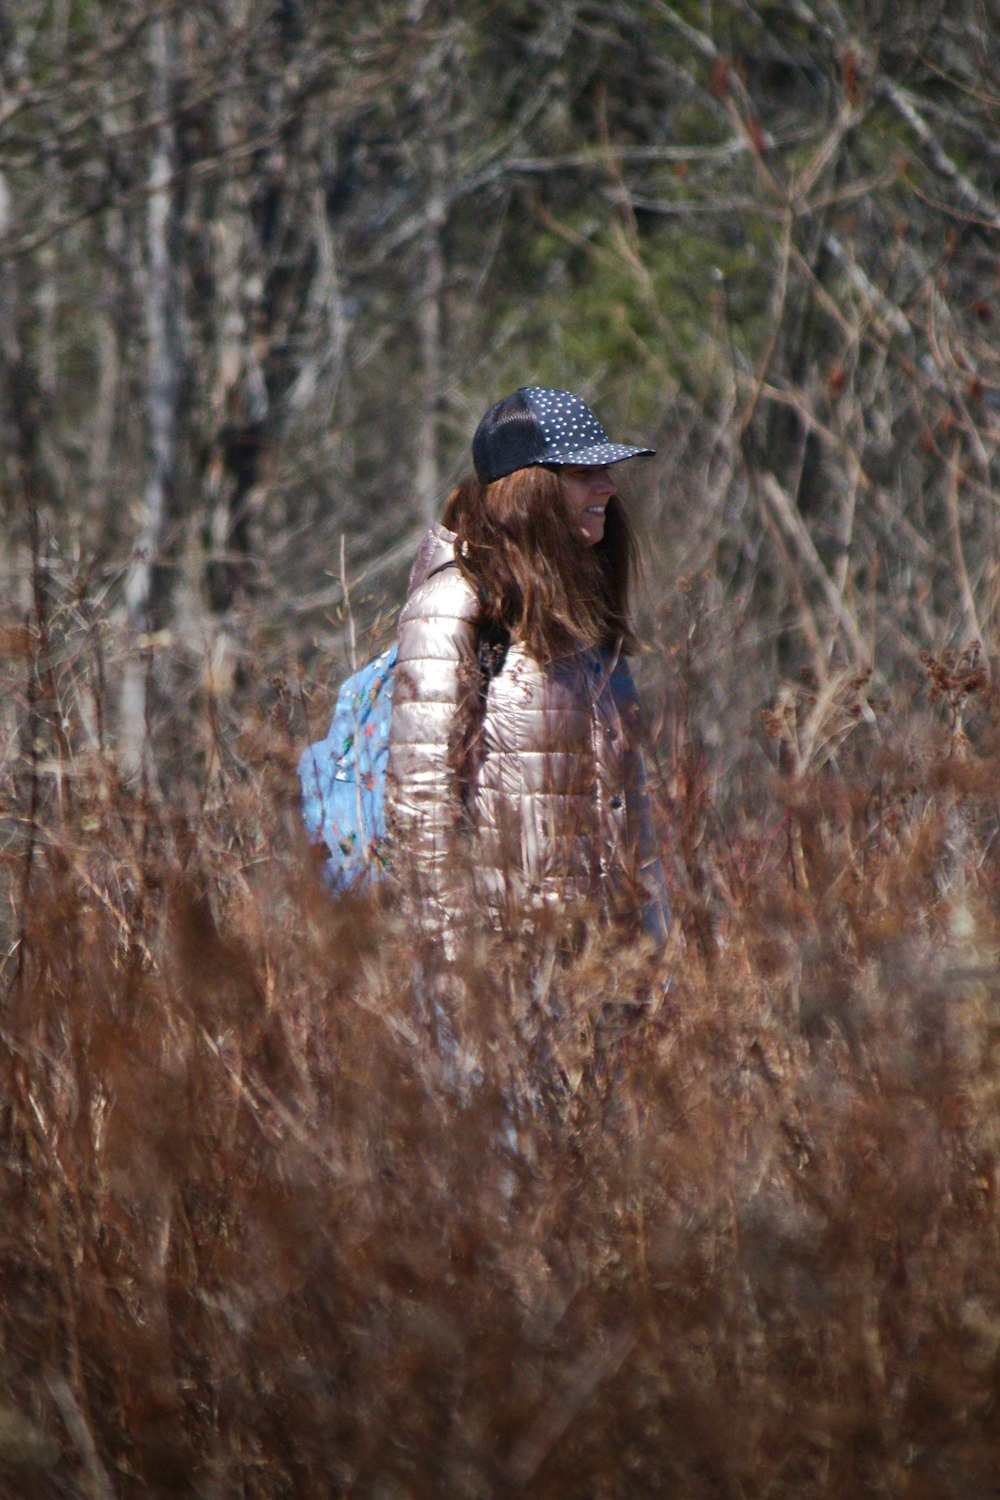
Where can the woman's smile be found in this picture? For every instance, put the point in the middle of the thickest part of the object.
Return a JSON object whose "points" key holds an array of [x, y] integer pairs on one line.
{"points": [[587, 491]]}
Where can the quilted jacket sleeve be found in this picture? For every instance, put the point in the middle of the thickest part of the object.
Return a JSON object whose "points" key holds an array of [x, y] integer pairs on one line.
{"points": [[436, 667]]}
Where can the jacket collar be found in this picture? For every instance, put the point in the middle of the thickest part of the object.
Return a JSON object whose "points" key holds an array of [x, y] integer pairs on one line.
{"points": [[435, 552]]}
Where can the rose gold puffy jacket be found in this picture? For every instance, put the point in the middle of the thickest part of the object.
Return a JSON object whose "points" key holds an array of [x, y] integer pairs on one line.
{"points": [[558, 810]]}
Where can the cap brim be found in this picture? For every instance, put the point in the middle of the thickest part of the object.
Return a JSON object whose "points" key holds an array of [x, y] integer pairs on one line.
{"points": [[598, 455]]}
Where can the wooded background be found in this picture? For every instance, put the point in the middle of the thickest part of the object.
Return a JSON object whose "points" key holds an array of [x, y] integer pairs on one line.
{"points": [[289, 1205], [263, 263]]}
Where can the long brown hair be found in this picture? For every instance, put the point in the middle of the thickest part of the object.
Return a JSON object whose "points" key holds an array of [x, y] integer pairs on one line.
{"points": [[519, 548]]}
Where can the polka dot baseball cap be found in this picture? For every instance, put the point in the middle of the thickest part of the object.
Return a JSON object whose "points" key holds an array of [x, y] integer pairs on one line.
{"points": [[537, 425]]}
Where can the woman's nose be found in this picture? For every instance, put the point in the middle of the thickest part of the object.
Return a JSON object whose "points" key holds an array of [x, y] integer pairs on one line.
{"points": [[606, 484]]}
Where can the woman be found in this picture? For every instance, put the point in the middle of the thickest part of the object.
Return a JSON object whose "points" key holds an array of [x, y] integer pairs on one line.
{"points": [[513, 766]]}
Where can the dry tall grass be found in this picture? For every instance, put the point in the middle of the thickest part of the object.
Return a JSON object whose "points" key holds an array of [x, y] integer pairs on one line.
{"points": [[289, 1209]]}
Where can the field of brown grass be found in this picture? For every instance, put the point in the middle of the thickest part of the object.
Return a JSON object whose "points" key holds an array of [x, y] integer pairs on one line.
{"points": [[292, 1209]]}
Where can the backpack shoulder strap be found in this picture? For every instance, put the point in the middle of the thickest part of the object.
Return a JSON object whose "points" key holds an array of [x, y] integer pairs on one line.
{"points": [[493, 640]]}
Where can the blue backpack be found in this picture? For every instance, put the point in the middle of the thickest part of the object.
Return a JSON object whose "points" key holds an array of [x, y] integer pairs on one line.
{"points": [[343, 776]]}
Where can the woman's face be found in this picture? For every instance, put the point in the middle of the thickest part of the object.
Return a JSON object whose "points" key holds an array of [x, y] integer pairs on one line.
{"points": [[587, 492]]}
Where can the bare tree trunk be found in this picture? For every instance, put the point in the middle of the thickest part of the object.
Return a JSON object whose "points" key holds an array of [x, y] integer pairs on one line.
{"points": [[429, 322], [111, 335], [105, 406], [21, 402], [9, 360], [238, 406], [145, 586], [318, 378]]}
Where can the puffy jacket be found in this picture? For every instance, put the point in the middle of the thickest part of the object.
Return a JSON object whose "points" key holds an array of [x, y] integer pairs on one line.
{"points": [[557, 812]]}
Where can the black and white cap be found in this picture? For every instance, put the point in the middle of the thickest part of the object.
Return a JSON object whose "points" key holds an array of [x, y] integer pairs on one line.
{"points": [[538, 425]]}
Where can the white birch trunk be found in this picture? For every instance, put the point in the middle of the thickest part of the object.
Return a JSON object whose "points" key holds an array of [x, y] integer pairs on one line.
{"points": [[163, 384]]}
